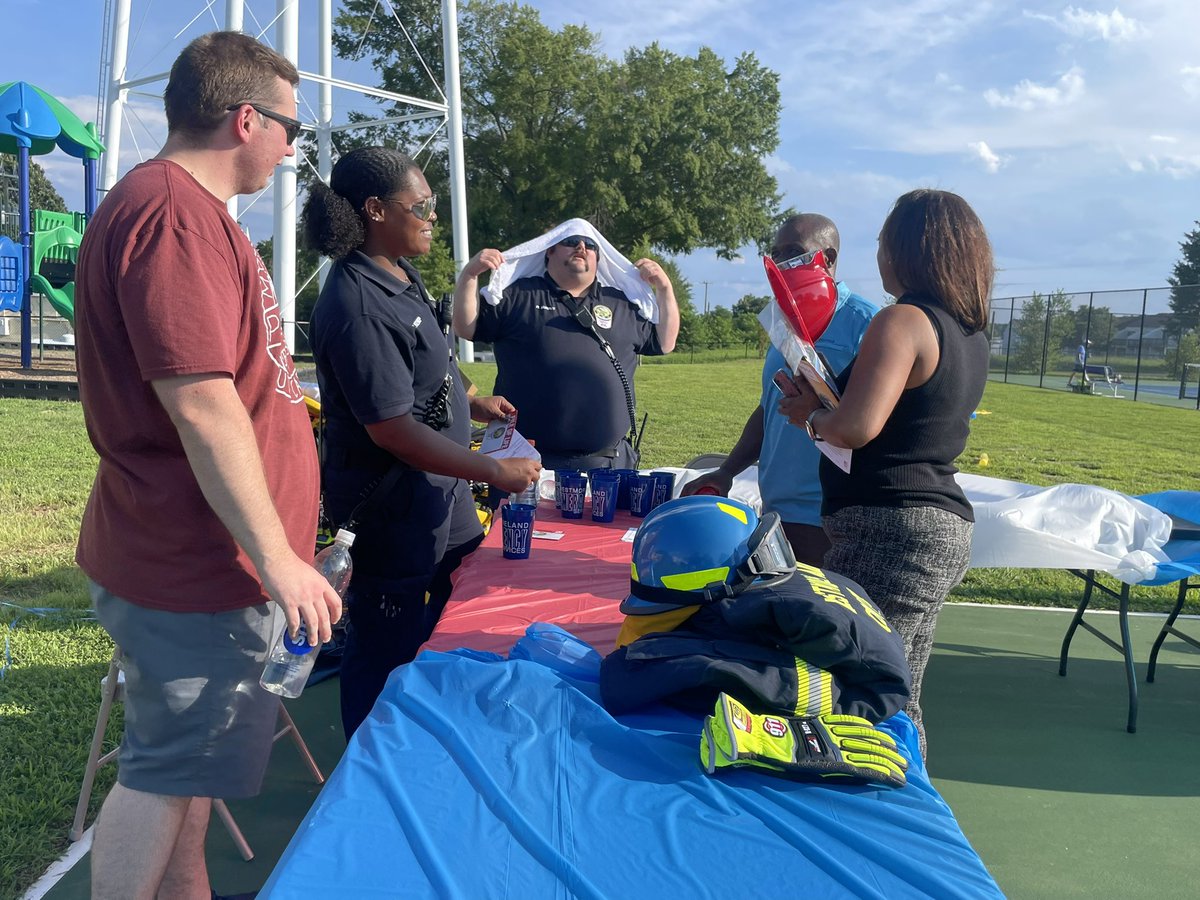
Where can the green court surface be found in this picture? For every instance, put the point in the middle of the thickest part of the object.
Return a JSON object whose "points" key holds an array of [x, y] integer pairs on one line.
{"points": [[1057, 798]]}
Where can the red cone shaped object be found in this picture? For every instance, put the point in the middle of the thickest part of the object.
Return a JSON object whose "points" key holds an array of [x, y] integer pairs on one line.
{"points": [[806, 294]]}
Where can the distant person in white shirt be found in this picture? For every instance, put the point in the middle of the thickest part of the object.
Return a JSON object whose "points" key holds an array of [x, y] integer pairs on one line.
{"points": [[1081, 356]]}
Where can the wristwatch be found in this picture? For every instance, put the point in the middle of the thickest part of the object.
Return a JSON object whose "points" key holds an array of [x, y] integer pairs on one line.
{"points": [[808, 425]]}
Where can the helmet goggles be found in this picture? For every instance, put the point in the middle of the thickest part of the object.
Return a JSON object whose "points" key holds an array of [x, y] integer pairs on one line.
{"points": [[770, 553], [769, 560]]}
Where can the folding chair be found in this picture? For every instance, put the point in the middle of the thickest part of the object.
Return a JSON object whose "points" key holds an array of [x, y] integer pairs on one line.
{"points": [[112, 691], [706, 460]]}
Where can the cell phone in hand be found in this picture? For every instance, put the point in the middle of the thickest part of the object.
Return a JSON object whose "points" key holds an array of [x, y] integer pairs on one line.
{"points": [[783, 381]]}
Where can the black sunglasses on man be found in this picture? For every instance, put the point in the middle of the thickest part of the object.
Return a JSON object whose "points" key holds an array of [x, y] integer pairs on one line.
{"points": [[576, 239], [291, 127]]}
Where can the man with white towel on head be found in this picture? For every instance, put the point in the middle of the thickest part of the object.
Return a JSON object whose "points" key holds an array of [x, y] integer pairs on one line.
{"points": [[568, 315]]}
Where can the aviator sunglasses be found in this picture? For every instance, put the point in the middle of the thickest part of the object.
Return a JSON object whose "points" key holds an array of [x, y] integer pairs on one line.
{"points": [[786, 261], [576, 239], [291, 127]]}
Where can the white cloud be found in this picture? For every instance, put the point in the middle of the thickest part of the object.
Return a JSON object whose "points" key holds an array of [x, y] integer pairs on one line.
{"points": [[1191, 80], [1028, 95], [1177, 166], [990, 159], [1112, 27], [943, 80]]}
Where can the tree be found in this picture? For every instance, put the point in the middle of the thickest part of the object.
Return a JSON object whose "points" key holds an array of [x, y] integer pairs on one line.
{"points": [[1185, 296], [42, 194], [1188, 352], [1095, 323], [1044, 326], [688, 322], [751, 304], [718, 327], [657, 148], [745, 321]]}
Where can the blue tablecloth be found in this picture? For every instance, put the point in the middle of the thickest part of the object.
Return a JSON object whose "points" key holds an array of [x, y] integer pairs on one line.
{"points": [[477, 777], [1184, 555]]}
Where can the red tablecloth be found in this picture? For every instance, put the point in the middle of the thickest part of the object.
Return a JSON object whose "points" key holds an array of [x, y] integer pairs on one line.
{"points": [[575, 583]]}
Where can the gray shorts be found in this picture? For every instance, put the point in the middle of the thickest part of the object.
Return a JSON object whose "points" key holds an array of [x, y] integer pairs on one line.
{"points": [[197, 723]]}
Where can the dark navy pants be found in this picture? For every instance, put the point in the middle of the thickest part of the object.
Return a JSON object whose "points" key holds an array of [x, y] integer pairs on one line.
{"points": [[396, 600]]}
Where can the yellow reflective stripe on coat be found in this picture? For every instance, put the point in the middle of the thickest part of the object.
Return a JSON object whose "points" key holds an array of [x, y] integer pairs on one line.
{"points": [[814, 690]]}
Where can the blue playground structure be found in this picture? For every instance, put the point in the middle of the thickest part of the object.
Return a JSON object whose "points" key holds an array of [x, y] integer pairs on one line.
{"points": [[32, 122]]}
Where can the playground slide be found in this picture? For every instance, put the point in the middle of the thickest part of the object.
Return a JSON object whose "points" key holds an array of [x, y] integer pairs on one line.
{"points": [[62, 299]]}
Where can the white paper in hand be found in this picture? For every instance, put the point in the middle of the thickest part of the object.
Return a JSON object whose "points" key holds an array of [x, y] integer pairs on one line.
{"points": [[803, 360], [502, 440]]}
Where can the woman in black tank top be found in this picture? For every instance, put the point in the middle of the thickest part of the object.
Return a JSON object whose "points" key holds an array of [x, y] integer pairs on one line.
{"points": [[898, 523]]}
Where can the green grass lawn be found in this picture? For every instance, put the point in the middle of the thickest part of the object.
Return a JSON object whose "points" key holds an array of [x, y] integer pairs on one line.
{"points": [[49, 694]]}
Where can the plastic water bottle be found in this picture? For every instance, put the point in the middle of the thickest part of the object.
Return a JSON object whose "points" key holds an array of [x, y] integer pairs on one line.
{"points": [[529, 496], [290, 661]]}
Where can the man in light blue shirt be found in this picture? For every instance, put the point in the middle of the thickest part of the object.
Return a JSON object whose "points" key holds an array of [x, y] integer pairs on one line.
{"points": [[1081, 356], [787, 458]]}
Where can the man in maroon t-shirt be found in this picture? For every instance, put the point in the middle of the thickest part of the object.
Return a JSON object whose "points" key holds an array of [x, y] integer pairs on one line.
{"points": [[205, 502]]}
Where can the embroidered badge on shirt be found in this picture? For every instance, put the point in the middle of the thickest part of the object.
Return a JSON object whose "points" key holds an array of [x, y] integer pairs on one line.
{"points": [[417, 322], [603, 316]]}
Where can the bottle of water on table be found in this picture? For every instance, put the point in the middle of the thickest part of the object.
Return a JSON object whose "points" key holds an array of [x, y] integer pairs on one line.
{"points": [[290, 661]]}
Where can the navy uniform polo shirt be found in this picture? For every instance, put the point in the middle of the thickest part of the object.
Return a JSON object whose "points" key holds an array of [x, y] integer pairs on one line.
{"points": [[380, 353], [568, 395]]}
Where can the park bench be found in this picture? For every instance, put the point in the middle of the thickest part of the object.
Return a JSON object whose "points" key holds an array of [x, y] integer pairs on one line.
{"points": [[1093, 376]]}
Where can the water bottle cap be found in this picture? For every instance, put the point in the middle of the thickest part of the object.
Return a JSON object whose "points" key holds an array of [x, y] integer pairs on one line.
{"points": [[344, 537]]}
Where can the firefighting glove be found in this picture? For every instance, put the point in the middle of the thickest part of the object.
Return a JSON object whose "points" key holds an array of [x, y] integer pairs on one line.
{"points": [[827, 748]]}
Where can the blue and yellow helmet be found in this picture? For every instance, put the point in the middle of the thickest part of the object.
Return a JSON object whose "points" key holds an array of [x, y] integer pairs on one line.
{"points": [[701, 549]]}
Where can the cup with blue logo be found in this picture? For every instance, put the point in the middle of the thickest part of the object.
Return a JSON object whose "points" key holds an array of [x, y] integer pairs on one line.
{"points": [[641, 494], [605, 486], [558, 481], [623, 490], [517, 521], [664, 487], [571, 494]]}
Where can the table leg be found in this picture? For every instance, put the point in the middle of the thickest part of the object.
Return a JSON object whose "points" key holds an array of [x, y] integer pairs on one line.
{"points": [[1169, 627], [1088, 582], [1127, 650], [1125, 647]]}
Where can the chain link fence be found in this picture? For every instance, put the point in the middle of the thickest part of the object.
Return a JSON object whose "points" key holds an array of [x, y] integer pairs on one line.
{"points": [[1141, 344]]}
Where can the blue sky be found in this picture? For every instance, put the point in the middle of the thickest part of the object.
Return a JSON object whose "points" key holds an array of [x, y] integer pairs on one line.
{"points": [[1074, 131]]}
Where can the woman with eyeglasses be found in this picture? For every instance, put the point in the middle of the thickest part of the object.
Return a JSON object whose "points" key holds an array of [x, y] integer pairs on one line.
{"points": [[898, 522], [396, 458]]}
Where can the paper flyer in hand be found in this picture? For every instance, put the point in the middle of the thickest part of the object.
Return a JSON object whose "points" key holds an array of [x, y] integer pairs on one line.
{"points": [[802, 358], [502, 440], [796, 350]]}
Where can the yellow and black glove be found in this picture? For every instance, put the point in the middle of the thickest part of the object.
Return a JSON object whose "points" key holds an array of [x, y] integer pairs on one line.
{"points": [[827, 748]]}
